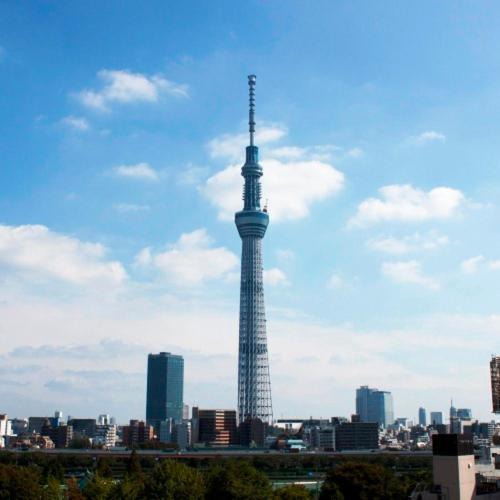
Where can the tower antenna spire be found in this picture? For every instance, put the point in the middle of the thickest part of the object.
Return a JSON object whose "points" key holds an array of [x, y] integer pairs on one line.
{"points": [[252, 80]]}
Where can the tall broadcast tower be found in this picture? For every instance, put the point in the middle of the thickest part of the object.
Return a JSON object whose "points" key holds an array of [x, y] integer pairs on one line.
{"points": [[254, 385]]}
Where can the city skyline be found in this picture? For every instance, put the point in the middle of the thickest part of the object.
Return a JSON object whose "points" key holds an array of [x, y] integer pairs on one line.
{"points": [[120, 168]]}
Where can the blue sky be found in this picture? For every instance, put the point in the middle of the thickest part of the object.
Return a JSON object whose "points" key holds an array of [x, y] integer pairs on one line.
{"points": [[122, 130]]}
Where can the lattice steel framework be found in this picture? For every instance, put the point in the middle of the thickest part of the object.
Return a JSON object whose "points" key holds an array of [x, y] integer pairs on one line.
{"points": [[495, 383], [254, 384]]}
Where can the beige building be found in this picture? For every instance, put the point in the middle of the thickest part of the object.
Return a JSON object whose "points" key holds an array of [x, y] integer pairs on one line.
{"points": [[456, 474]]}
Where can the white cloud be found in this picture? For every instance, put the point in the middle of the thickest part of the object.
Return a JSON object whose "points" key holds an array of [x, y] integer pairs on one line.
{"points": [[130, 207], [429, 136], [294, 177], [77, 123], [288, 152], [285, 254], [403, 202], [291, 188], [138, 171], [335, 281], [191, 260], [192, 175], [324, 152], [53, 334], [408, 272], [37, 251], [122, 86], [355, 153], [275, 277], [408, 244], [232, 146], [469, 266]]}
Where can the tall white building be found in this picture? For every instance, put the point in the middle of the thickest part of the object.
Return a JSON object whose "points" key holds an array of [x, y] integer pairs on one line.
{"points": [[5, 430]]}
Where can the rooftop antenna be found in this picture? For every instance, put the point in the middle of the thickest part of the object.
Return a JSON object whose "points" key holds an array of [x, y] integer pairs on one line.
{"points": [[252, 79]]}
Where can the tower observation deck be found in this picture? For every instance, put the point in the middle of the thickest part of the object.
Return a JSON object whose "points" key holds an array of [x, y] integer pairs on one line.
{"points": [[254, 385]]}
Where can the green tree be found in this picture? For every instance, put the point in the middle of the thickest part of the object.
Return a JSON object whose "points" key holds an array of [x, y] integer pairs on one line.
{"points": [[172, 480], [134, 465], [104, 468], [19, 483], [330, 491], [98, 488], [52, 468], [363, 481], [131, 488], [52, 490], [73, 491], [292, 492], [237, 480]]}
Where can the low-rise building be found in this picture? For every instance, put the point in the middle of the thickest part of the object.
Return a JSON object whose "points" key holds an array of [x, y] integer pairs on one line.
{"points": [[252, 432], [61, 435], [357, 436], [105, 435], [214, 427], [19, 426], [181, 435], [136, 433], [83, 427], [323, 438]]}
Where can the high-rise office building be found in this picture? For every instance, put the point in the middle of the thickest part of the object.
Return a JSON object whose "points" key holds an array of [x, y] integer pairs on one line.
{"points": [[436, 418], [373, 405], [453, 411], [495, 383], [464, 413], [422, 417], [362, 397], [165, 388], [381, 408], [254, 385]]}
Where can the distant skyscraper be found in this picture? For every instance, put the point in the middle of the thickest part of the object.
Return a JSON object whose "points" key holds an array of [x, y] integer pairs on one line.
{"points": [[381, 408], [436, 418], [362, 398], [254, 385], [495, 383], [453, 411], [464, 413], [422, 417], [373, 405], [165, 388]]}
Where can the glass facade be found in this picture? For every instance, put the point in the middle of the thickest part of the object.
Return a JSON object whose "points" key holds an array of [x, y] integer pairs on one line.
{"points": [[422, 417], [373, 405], [436, 418], [165, 388]]}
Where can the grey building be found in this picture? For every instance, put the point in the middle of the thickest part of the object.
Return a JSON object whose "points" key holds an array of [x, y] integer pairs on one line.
{"points": [[83, 427], [323, 438], [165, 388], [422, 417]]}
